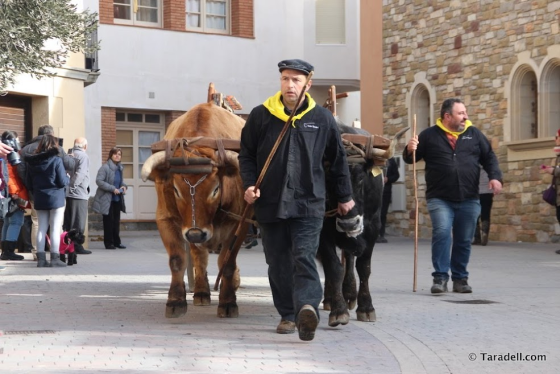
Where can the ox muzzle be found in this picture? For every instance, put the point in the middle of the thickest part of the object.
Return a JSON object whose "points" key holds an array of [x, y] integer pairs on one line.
{"points": [[196, 235], [351, 226]]}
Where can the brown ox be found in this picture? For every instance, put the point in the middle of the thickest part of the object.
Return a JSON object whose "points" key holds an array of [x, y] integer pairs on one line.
{"points": [[193, 208]]}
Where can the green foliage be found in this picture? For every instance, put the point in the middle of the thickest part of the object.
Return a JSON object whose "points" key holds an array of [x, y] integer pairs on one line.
{"points": [[37, 35]]}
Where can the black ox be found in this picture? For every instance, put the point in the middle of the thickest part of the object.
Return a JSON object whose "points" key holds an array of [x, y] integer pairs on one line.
{"points": [[355, 234]]}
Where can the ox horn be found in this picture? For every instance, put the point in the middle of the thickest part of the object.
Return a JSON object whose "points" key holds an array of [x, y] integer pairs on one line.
{"points": [[151, 163], [391, 150], [231, 157]]}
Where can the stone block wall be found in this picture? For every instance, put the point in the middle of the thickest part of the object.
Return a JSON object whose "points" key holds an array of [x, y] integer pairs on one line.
{"points": [[467, 49]]}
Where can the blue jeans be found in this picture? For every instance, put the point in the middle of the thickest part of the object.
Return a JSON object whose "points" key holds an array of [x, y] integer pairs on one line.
{"points": [[453, 226], [290, 247], [12, 226]]}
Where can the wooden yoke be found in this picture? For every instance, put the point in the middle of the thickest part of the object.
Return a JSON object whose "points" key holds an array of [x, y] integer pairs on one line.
{"points": [[228, 102], [365, 147], [330, 103]]}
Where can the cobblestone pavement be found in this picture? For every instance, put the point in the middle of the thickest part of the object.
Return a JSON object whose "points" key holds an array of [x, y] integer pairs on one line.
{"points": [[106, 315]]}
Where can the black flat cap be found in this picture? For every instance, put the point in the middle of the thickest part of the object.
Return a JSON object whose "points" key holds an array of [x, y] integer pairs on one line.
{"points": [[299, 65]]}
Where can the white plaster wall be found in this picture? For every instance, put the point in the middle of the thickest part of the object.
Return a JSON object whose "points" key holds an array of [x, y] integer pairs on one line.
{"points": [[178, 66]]}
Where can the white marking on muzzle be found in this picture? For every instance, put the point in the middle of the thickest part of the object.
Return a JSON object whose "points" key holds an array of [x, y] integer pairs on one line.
{"points": [[356, 225]]}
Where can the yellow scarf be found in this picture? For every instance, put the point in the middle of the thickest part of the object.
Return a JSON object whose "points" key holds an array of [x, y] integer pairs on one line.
{"points": [[276, 107], [454, 133]]}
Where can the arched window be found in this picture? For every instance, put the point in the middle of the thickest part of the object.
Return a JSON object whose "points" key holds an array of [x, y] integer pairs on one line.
{"points": [[524, 104], [550, 97], [420, 102], [421, 108]]}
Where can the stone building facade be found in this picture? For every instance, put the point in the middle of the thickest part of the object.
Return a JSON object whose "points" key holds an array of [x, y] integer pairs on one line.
{"points": [[502, 58]]}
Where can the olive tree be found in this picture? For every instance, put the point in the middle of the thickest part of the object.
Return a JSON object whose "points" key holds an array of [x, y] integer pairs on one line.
{"points": [[36, 37]]}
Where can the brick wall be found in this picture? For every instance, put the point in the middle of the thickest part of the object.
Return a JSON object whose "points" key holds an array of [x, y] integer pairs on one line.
{"points": [[173, 16], [242, 18], [172, 116], [468, 49], [105, 11], [108, 129]]}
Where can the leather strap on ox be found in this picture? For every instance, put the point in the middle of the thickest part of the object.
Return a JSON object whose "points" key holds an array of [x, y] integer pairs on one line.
{"points": [[187, 164]]}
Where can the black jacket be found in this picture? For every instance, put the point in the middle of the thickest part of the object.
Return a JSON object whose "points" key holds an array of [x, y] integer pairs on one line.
{"points": [[392, 173], [29, 150], [294, 184], [48, 179], [454, 174]]}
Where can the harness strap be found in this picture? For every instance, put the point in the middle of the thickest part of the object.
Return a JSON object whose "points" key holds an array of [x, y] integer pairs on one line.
{"points": [[221, 152], [238, 217]]}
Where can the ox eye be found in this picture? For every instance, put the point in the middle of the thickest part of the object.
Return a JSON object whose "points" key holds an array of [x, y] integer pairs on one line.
{"points": [[176, 192], [216, 190]]}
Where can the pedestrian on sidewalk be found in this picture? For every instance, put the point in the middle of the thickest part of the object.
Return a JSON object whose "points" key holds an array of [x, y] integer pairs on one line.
{"points": [[453, 151], [30, 149], [486, 194], [13, 220], [47, 175], [77, 194], [109, 198], [391, 175], [555, 171], [290, 203]]}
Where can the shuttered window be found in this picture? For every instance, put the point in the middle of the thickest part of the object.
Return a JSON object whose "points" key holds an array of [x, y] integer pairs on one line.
{"points": [[208, 15], [15, 115], [330, 21]]}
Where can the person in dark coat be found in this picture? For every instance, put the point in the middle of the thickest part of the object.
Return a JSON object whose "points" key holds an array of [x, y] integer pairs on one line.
{"points": [[109, 198], [13, 221], [453, 149], [290, 203], [555, 172], [29, 149], [48, 179], [391, 176]]}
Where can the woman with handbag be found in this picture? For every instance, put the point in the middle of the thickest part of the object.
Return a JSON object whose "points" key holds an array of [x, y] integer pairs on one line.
{"points": [[18, 202], [109, 198], [555, 172]]}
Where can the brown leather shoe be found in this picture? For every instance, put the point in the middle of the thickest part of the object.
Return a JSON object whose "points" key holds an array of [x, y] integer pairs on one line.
{"points": [[286, 327]]}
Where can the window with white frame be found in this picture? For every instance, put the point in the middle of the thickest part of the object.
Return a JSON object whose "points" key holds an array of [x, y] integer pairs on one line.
{"points": [[137, 12], [208, 15], [330, 21]]}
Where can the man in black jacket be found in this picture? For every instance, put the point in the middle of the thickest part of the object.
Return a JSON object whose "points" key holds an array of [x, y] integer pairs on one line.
{"points": [[391, 176], [26, 151], [453, 151], [290, 203]]}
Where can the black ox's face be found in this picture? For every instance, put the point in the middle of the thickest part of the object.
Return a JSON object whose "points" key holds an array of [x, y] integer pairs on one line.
{"points": [[352, 224]]}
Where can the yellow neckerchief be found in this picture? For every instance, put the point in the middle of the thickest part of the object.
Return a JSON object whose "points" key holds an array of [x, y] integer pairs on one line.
{"points": [[454, 133], [276, 107]]}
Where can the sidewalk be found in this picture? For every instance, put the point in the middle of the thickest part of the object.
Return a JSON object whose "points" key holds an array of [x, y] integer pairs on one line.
{"points": [[106, 314]]}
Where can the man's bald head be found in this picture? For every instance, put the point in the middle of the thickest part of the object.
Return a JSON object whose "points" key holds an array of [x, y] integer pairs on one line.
{"points": [[81, 143]]}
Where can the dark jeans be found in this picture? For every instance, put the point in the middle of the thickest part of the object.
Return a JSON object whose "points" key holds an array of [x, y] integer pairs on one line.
{"points": [[290, 247], [111, 225]]}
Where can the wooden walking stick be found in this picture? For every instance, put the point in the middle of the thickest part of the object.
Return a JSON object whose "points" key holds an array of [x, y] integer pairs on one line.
{"points": [[415, 207], [233, 248]]}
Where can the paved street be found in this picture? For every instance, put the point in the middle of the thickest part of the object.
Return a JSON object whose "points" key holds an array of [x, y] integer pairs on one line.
{"points": [[106, 314]]}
